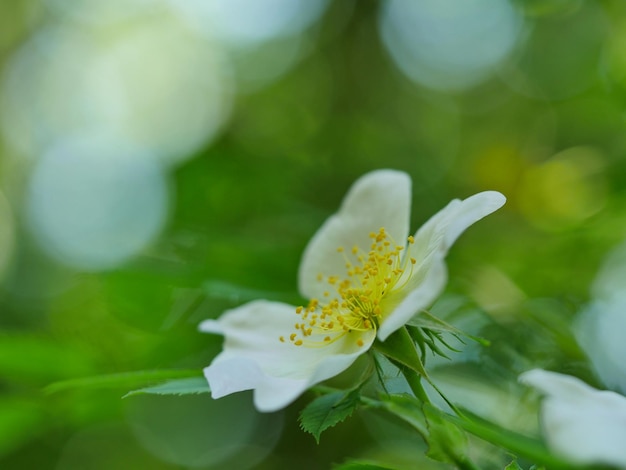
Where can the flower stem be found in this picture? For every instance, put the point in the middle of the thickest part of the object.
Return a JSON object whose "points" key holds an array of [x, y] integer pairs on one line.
{"points": [[415, 382]]}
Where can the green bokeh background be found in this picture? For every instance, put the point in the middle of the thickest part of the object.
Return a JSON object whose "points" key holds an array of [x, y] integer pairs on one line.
{"points": [[546, 129]]}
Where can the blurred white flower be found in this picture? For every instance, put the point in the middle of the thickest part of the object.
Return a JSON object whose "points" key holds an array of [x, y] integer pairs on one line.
{"points": [[581, 424], [365, 277], [599, 328]]}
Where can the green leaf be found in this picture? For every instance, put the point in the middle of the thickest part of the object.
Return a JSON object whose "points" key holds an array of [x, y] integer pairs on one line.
{"points": [[513, 466], [189, 386], [122, 380], [407, 409], [328, 410]]}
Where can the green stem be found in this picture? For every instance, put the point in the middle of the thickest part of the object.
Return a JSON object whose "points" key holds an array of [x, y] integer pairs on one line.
{"points": [[415, 382], [466, 464]]}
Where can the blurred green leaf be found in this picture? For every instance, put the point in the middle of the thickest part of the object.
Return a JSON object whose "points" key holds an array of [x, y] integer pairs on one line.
{"points": [[513, 466], [20, 421], [189, 386], [327, 411], [42, 359], [122, 380], [237, 294]]}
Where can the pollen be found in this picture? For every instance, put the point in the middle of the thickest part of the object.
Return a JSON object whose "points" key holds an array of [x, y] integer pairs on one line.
{"points": [[354, 301]]}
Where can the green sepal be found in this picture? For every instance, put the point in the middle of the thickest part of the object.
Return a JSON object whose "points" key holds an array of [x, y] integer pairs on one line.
{"points": [[400, 348], [428, 321]]}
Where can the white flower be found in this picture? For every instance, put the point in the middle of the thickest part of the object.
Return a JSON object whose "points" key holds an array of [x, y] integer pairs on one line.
{"points": [[581, 424], [365, 277]]}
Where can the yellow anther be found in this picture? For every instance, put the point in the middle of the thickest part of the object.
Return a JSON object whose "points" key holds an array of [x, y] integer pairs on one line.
{"points": [[360, 343], [355, 250], [413, 261], [292, 336], [282, 339], [411, 239], [340, 249], [299, 309], [327, 339], [298, 343]]}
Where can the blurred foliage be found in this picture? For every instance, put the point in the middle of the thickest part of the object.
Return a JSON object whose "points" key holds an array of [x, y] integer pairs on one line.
{"points": [[546, 128]]}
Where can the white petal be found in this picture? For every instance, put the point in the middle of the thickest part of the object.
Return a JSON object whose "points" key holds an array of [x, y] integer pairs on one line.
{"points": [[432, 241], [472, 210], [378, 199], [442, 229], [581, 424], [253, 357], [558, 385]]}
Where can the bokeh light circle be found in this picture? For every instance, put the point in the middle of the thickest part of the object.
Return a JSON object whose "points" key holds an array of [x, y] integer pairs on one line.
{"points": [[249, 23], [449, 44], [94, 203], [199, 432], [158, 84]]}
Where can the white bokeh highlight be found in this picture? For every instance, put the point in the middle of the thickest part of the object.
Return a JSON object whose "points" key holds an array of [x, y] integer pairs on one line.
{"points": [[94, 203], [158, 84], [249, 23], [449, 45]]}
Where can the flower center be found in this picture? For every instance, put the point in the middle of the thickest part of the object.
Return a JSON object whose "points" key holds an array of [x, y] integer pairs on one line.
{"points": [[353, 304]]}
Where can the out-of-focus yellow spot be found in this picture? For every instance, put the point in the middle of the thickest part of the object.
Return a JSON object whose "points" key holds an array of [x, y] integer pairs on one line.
{"points": [[565, 190], [498, 167], [495, 292]]}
